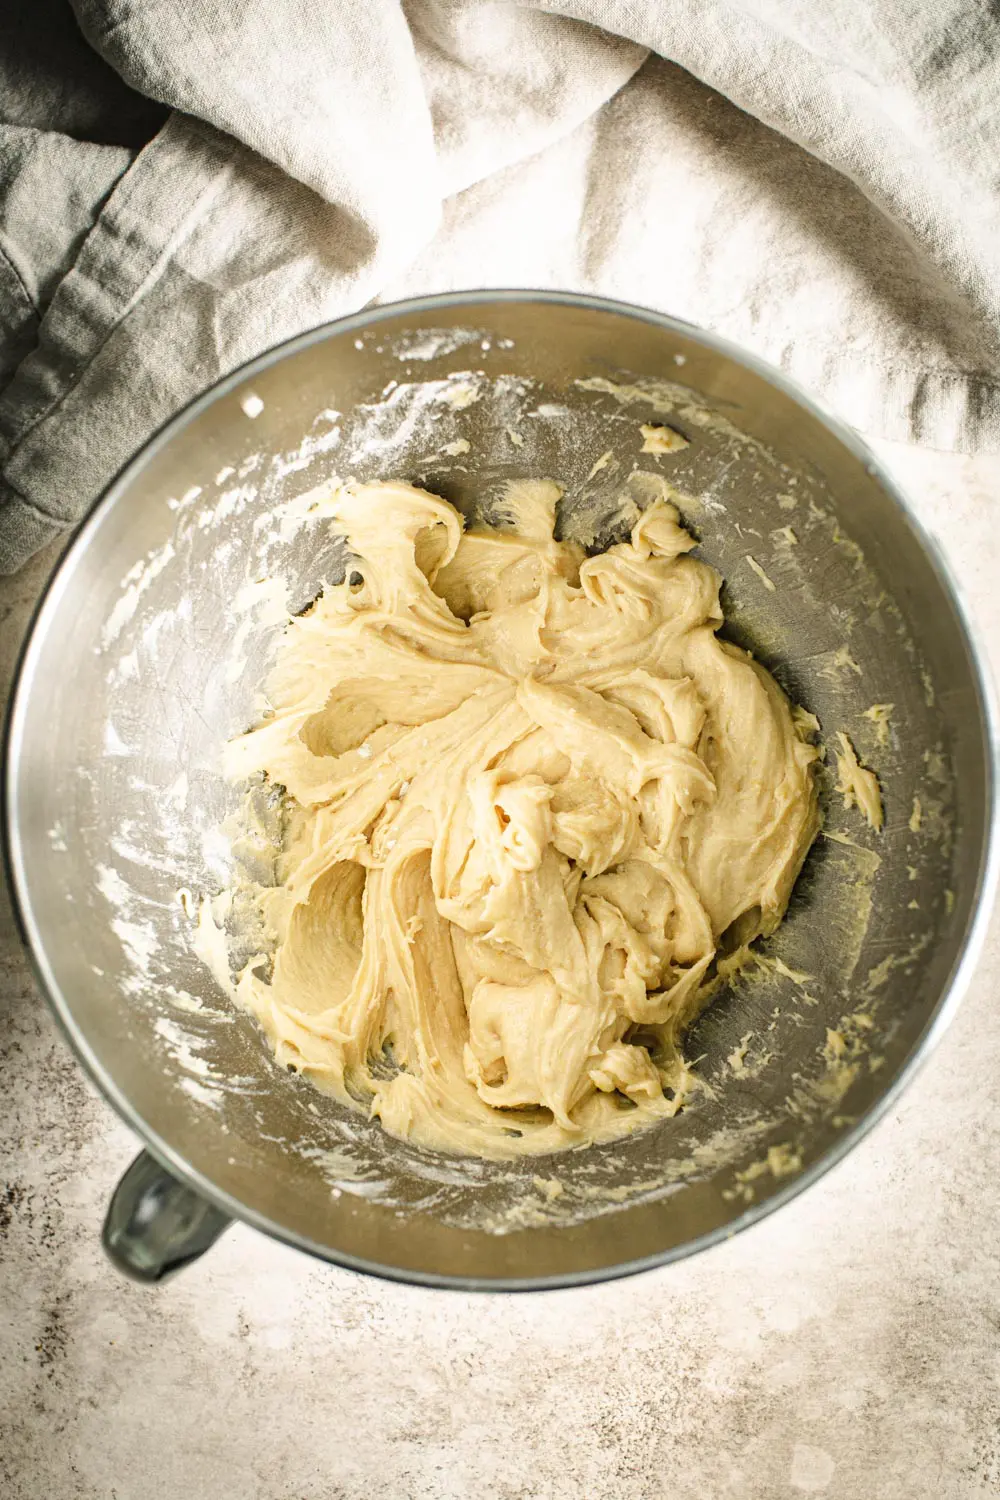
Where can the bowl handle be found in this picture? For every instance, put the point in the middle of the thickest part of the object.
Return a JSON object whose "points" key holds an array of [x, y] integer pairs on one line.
{"points": [[156, 1225]]}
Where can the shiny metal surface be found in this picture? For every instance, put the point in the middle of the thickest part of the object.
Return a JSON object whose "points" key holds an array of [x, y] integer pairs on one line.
{"points": [[157, 1225], [111, 768]]}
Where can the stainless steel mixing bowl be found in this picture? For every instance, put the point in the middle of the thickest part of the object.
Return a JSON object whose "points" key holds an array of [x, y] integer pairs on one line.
{"points": [[141, 663]]}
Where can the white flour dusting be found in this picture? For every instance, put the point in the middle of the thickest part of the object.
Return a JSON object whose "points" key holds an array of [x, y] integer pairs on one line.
{"points": [[434, 343], [138, 581]]}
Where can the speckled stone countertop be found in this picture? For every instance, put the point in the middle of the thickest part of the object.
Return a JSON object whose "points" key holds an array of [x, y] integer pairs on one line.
{"points": [[848, 1347]]}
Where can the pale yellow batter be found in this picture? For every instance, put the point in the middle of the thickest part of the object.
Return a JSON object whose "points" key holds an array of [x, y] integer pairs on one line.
{"points": [[530, 794]]}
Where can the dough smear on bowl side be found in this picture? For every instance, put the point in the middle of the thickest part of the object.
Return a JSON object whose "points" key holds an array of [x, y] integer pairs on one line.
{"points": [[529, 795]]}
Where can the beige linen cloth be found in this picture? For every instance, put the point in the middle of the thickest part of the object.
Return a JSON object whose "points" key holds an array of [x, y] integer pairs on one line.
{"points": [[186, 183]]}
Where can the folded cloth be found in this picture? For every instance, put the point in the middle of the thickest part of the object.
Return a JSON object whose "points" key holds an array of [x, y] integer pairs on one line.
{"points": [[196, 181]]}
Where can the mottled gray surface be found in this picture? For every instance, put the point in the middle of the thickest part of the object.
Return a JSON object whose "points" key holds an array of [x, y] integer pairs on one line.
{"points": [[848, 1347]]}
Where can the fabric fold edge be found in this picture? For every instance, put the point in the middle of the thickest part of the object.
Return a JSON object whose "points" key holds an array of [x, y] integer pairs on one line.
{"points": [[31, 529], [952, 411]]}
